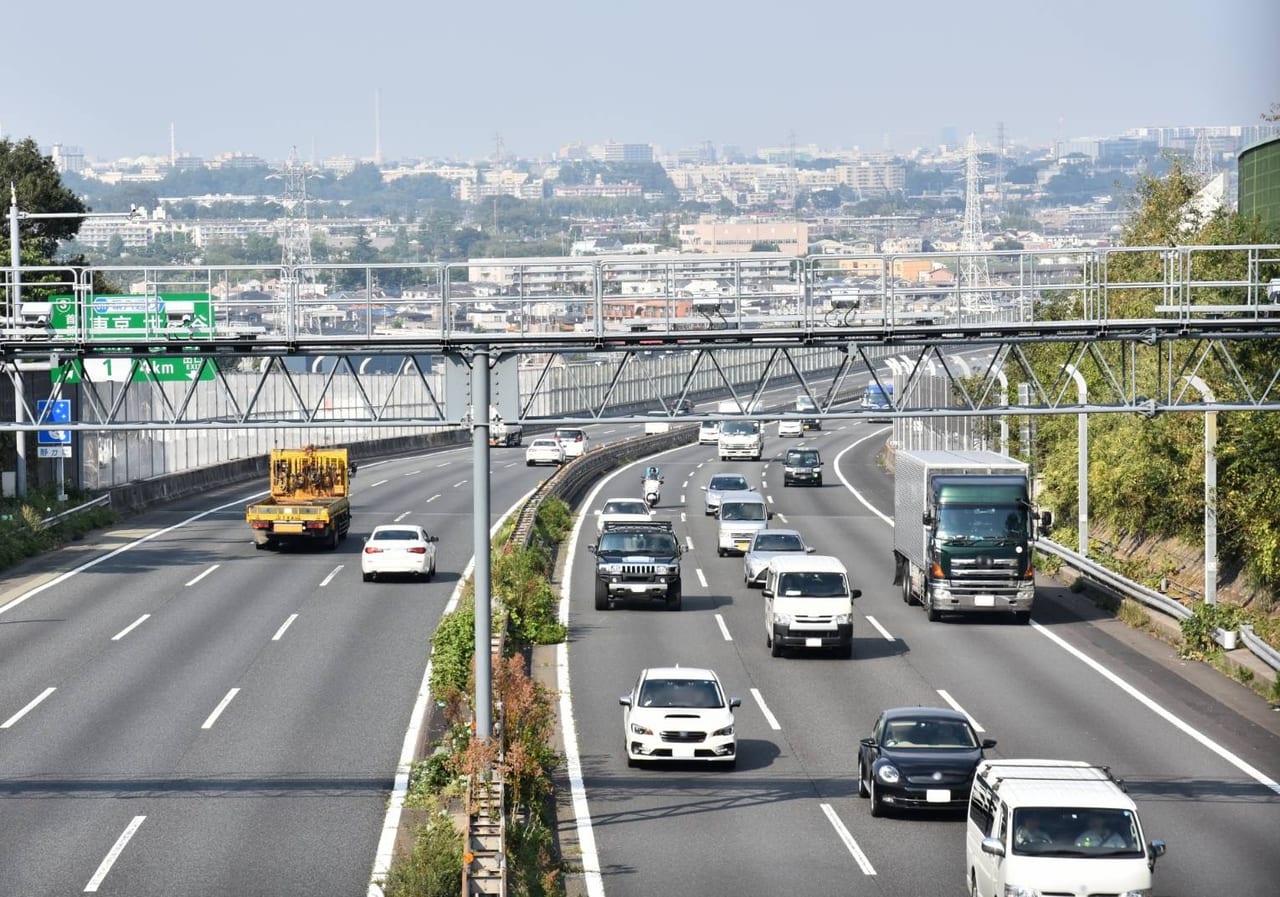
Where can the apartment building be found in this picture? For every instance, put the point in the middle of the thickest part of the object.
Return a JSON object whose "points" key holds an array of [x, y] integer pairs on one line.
{"points": [[726, 237]]}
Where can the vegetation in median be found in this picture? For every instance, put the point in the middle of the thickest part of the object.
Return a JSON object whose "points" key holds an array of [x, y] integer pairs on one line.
{"points": [[21, 535]]}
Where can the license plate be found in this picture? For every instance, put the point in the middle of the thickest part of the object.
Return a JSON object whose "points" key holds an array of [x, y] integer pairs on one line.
{"points": [[938, 796], [682, 752], [813, 643], [289, 527], [639, 590], [984, 600]]}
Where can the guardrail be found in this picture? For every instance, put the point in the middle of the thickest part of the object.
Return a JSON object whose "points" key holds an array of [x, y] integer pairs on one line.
{"points": [[70, 512], [1150, 597]]}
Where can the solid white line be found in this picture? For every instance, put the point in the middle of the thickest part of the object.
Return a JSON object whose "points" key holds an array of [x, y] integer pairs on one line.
{"points": [[724, 630], [459, 483], [204, 574], [702, 579], [607, 432], [876, 623], [1258, 776], [433, 498], [445, 464], [25, 710], [843, 834], [955, 705], [113, 854], [512, 464], [856, 494], [217, 711], [132, 626], [123, 548], [688, 542], [285, 625], [402, 516], [780, 516], [379, 483], [328, 579], [412, 473], [768, 715]]}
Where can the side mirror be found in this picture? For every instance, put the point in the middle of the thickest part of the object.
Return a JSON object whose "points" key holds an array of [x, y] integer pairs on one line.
{"points": [[1157, 850], [703, 488], [855, 593], [767, 592], [809, 549], [993, 846], [434, 539], [625, 700], [867, 742], [592, 548], [735, 703], [1046, 519], [351, 469], [770, 513], [988, 743], [926, 518]]}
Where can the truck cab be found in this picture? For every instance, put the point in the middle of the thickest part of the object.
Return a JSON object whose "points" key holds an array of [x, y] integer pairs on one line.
{"points": [[808, 604]]}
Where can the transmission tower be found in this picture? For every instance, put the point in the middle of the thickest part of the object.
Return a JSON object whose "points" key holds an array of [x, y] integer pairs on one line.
{"points": [[973, 267], [1202, 161], [1000, 168], [296, 240]]}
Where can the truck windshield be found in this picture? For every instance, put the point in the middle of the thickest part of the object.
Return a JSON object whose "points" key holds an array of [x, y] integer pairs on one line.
{"points": [[812, 585], [742, 510], [960, 524], [739, 428], [651, 544]]}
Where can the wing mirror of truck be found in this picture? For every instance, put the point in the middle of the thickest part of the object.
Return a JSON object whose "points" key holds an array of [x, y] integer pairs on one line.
{"points": [[993, 846], [592, 548], [1046, 519], [770, 513], [767, 592], [352, 468], [926, 518], [809, 549], [1157, 850]]}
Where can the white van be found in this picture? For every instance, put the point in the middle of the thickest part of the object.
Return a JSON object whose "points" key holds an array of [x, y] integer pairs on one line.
{"points": [[1054, 827], [808, 604], [742, 515]]}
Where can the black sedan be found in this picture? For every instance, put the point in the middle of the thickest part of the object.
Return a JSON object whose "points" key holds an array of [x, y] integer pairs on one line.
{"points": [[919, 758]]}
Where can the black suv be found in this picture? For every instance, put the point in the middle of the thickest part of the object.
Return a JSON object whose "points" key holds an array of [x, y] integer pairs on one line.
{"points": [[802, 465], [637, 560]]}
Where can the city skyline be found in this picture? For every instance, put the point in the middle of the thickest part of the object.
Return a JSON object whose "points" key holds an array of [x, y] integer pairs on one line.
{"points": [[447, 86]]}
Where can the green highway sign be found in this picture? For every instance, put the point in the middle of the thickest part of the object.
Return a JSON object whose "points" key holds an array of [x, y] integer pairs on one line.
{"points": [[176, 316]]}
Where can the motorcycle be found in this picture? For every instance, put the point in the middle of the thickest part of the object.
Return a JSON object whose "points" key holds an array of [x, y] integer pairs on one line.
{"points": [[652, 492]]}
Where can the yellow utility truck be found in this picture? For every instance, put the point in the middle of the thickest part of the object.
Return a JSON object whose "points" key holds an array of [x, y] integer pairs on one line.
{"points": [[310, 498]]}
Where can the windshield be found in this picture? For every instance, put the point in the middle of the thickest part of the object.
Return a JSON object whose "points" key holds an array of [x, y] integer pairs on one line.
{"points": [[699, 693], [739, 428], [804, 403], [729, 484], [768, 541], [812, 585], [1076, 832], [909, 734], [626, 507], [802, 459], [742, 510], [652, 544], [961, 525]]}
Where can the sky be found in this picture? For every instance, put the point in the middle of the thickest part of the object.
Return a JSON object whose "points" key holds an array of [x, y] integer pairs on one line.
{"points": [[262, 77]]}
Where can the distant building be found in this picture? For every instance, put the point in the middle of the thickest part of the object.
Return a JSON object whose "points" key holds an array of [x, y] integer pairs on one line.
{"points": [[726, 237], [68, 158], [1258, 191], [628, 152]]}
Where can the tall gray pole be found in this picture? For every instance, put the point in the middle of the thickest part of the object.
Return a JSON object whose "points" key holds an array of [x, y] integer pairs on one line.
{"points": [[480, 535], [1082, 464], [1210, 493], [15, 306]]}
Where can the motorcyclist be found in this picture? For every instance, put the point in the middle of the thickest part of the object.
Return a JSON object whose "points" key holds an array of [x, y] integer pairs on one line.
{"points": [[652, 472]]}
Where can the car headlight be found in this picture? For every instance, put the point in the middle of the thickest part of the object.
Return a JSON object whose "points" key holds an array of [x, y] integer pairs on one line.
{"points": [[673, 570], [841, 619], [942, 594], [1136, 892], [637, 729], [1020, 891], [888, 774], [783, 619], [727, 730], [613, 569]]}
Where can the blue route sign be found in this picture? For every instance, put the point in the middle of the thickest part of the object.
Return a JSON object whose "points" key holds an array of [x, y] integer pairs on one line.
{"points": [[57, 411]]}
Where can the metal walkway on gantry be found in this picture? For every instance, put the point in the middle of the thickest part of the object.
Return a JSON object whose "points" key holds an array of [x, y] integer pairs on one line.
{"points": [[585, 338]]}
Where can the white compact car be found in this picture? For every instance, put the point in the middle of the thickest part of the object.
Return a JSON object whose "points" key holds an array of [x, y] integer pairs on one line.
{"points": [[791, 428], [544, 451], [572, 440], [398, 548], [679, 713], [623, 510], [708, 432]]}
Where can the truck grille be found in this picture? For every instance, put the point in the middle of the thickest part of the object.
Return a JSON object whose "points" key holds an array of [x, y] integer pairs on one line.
{"points": [[639, 571], [978, 575]]}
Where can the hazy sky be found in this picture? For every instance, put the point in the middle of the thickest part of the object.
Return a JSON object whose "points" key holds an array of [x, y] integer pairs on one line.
{"points": [[259, 77]]}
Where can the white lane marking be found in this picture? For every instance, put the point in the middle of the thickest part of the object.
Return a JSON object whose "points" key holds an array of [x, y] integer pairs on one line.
{"points": [[412, 473], [700, 463], [768, 714], [132, 626], [590, 857], [681, 498], [688, 542], [764, 484], [724, 630], [856, 494], [123, 548], [607, 432], [25, 710], [283, 626], [445, 464], [764, 469], [379, 483], [203, 575], [402, 516], [876, 623], [702, 579], [840, 428], [851, 845], [459, 483], [217, 711], [433, 498], [1258, 776], [328, 579], [955, 705], [113, 854], [770, 497], [409, 747], [683, 517], [684, 485], [780, 516], [512, 464]]}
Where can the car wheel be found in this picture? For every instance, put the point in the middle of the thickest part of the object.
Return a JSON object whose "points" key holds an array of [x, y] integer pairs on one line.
{"points": [[367, 577], [528, 463], [431, 572], [973, 884], [1022, 617], [602, 596], [720, 552], [674, 599], [818, 482], [877, 805], [846, 651], [863, 791], [775, 648]]}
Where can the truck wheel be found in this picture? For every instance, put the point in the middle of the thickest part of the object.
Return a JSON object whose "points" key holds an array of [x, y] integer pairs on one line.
{"points": [[674, 599], [602, 596], [528, 464], [1022, 617], [906, 589], [775, 648], [720, 552], [332, 542], [931, 612], [846, 651]]}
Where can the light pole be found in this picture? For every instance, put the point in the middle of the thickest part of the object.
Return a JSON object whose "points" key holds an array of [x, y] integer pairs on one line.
{"points": [[1004, 420], [1082, 468], [1210, 492], [16, 216]]}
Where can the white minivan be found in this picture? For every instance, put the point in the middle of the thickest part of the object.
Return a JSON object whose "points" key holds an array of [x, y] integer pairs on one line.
{"points": [[808, 604], [742, 515], [1054, 827]]}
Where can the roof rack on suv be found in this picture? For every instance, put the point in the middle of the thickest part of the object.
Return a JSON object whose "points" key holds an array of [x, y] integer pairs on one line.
{"points": [[637, 526], [1040, 773]]}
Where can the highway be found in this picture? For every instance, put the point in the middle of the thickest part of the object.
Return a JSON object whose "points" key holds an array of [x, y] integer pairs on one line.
{"points": [[789, 820]]}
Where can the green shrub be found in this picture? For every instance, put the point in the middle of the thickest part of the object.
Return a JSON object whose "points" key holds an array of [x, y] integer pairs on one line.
{"points": [[1197, 629], [454, 649], [20, 537], [434, 867]]}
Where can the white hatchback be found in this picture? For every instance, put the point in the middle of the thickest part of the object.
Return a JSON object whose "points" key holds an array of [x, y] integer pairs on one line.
{"points": [[623, 510], [398, 548], [679, 713], [544, 451], [572, 440], [790, 427]]}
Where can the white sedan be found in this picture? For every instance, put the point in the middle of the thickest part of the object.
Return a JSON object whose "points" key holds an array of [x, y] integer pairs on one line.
{"points": [[544, 451], [790, 427], [623, 510], [679, 713], [398, 548]]}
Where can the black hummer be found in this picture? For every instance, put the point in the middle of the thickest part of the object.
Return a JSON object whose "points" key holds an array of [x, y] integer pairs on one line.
{"points": [[802, 465], [637, 560]]}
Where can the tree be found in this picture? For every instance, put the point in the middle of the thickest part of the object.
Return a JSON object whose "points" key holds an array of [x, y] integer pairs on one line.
{"points": [[39, 189]]}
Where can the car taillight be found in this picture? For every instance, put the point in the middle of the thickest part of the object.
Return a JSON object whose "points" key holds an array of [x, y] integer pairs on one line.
{"points": [[370, 549], [417, 549]]}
